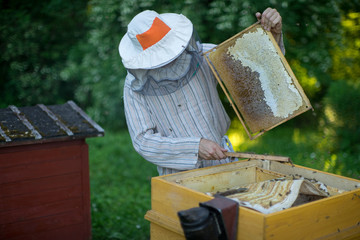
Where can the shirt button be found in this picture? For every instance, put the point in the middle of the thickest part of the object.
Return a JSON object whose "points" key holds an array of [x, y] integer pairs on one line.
{"points": [[179, 105]]}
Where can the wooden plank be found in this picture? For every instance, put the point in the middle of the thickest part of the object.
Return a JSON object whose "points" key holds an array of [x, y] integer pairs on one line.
{"points": [[47, 209], [351, 233], [28, 154], [169, 198], [26, 122], [164, 222], [87, 118], [250, 225], [12, 230], [39, 170], [39, 198], [158, 232], [71, 232], [3, 135], [264, 175], [39, 184], [56, 119], [85, 189], [211, 170], [324, 217], [220, 181], [258, 156], [330, 179]]}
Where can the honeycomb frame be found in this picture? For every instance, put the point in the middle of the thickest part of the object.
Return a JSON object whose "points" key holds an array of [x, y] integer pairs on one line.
{"points": [[262, 97]]}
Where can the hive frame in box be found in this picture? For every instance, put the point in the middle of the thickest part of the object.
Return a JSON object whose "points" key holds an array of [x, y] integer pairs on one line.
{"points": [[253, 135]]}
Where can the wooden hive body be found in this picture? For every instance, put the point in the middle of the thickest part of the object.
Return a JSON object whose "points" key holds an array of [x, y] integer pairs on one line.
{"points": [[335, 217], [45, 191], [44, 173]]}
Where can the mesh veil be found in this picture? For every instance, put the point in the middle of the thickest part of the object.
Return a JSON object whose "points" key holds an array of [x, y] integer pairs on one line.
{"points": [[169, 78]]}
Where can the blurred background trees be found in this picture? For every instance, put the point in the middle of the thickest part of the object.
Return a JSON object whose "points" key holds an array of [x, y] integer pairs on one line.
{"points": [[35, 40], [53, 51]]}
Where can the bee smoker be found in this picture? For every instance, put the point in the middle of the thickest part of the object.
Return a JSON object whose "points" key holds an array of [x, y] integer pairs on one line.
{"points": [[213, 220]]}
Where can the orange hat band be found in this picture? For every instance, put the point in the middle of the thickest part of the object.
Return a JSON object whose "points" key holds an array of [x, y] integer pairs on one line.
{"points": [[155, 33]]}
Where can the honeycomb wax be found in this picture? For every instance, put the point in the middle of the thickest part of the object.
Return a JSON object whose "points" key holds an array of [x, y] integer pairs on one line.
{"points": [[259, 54], [259, 84]]}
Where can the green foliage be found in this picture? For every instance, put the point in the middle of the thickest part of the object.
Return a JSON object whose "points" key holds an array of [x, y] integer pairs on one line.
{"points": [[59, 50], [346, 55], [35, 40], [342, 115], [215, 21]]}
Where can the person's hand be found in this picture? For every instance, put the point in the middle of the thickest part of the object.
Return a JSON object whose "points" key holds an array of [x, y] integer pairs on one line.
{"points": [[209, 150], [270, 20]]}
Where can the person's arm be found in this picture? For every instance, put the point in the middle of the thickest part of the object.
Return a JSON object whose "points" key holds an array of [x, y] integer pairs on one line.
{"points": [[272, 21]]}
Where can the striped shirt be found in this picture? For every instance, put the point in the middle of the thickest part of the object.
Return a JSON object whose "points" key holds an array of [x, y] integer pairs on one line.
{"points": [[166, 130]]}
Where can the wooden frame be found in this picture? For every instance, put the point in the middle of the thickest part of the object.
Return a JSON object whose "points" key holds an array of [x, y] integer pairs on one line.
{"points": [[250, 133]]}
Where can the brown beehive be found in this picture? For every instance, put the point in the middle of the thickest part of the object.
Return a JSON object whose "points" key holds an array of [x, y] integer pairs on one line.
{"points": [[257, 80], [44, 172]]}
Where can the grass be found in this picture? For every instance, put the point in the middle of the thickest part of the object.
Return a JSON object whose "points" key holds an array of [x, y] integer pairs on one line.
{"points": [[120, 178], [120, 188]]}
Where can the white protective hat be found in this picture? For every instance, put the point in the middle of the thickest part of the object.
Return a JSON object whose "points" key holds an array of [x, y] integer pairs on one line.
{"points": [[153, 40]]}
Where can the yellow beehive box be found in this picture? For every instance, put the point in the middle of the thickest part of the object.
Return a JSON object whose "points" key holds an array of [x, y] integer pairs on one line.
{"points": [[333, 217]]}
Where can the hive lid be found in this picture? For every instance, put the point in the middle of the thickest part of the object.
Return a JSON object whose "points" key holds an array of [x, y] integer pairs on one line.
{"points": [[257, 80], [40, 123]]}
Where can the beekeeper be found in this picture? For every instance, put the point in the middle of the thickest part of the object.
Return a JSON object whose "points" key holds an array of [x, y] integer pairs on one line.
{"points": [[173, 112]]}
